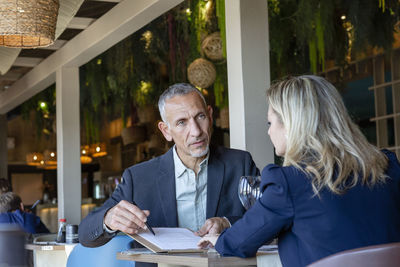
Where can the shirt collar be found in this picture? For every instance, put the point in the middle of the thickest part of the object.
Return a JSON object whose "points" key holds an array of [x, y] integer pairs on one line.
{"points": [[180, 168]]}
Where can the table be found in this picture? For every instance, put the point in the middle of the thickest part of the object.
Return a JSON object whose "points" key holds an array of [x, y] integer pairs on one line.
{"points": [[49, 255], [270, 259]]}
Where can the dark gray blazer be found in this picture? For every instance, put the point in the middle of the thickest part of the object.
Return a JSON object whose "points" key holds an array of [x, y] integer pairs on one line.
{"points": [[151, 185]]}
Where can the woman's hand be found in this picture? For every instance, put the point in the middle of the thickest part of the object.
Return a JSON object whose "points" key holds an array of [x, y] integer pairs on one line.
{"points": [[208, 241]]}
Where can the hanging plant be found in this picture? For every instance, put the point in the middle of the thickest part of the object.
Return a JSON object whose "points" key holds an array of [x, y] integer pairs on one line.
{"points": [[304, 34], [43, 107]]}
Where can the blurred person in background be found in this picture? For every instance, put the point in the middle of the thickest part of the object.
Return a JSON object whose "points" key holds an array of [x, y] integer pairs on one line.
{"points": [[12, 212], [4, 186]]}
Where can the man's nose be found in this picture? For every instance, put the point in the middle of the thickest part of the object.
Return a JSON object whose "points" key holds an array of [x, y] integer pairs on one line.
{"points": [[195, 129]]}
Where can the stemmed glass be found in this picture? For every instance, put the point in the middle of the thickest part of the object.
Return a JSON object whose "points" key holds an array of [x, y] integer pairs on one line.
{"points": [[249, 190]]}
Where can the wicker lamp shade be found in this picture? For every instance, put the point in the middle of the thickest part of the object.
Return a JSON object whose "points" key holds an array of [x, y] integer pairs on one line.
{"points": [[98, 150], [212, 46], [85, 158], [28, 23], [34, 159], [201, 73]]}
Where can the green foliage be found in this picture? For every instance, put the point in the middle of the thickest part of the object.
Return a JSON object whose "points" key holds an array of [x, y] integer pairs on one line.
{"points": [[220, 12], [306, 33], [44, 107]]}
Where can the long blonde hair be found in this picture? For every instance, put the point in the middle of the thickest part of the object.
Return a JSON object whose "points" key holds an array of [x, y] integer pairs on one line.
{"points": [[321, 138]]}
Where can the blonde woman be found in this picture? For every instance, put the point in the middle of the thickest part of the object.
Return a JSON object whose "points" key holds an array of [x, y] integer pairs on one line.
{"points": [[334, 192]]}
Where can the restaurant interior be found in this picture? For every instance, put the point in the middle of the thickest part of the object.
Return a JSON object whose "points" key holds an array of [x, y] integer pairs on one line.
{"points": [[78, 109]]}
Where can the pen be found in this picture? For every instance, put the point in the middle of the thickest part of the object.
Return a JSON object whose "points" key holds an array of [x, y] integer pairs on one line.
{"points": [[149, 227], [35, 204]]}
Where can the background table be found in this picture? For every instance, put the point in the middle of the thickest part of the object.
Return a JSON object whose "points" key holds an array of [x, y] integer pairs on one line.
{"points": [[50, 255]]}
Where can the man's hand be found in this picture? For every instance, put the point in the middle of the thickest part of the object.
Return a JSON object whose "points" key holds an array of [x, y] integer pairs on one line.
{"points": [[208, 241], [213, 226], [126, 217]]}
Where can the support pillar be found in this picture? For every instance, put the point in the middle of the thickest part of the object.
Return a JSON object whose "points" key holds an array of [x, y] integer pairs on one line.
{"points": [[68, 145], [248, 77]]}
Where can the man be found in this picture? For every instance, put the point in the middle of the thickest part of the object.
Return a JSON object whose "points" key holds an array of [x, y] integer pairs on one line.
{"points": [[192, 185], [12, 212]]}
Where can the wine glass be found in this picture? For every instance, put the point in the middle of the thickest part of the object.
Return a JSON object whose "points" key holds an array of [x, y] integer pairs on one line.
{"points": [[249, 190]]}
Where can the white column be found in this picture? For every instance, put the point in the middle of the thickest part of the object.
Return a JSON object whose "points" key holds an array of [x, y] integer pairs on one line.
{"points": [[248, 77], [3, 146], [68, 145]]}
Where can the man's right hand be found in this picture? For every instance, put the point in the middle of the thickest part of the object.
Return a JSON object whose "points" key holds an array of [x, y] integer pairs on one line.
{"points": [[126, 217]]}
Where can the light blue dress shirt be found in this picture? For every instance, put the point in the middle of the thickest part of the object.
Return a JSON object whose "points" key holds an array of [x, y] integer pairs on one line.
{"points": [[191, 194]]}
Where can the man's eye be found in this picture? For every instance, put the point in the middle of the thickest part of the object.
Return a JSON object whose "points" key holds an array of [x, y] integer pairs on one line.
{"points": [[202, 116], [180, 123], [268, 124]]}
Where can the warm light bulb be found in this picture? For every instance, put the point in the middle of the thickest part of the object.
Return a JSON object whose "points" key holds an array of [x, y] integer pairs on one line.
{"points": [[188, 10], [98, 149], [52, 154], [343, 17], [34, 157], [83, 151]]}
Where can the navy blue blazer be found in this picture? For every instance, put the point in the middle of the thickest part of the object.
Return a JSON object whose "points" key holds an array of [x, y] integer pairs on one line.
{"points": [[151, 185], [309, 227]]}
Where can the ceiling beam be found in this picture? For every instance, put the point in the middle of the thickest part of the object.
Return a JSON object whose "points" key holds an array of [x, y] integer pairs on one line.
{"points": [[113, 1], [118, 23], [27, 61], [10, 76], [80, 23], [56, 45]]}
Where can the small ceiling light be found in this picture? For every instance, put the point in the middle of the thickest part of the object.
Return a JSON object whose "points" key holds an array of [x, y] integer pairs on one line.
{"points": [[34, 159], [28, 24], [43, 104], [85, 158], [98, 150], [343, 17]]}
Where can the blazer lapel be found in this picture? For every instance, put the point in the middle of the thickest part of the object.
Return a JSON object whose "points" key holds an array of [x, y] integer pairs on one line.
{"points": [[215, 180], [166, 189]]}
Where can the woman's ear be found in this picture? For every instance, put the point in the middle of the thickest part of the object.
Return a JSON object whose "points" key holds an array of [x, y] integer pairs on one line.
{"points": [[21, 206]]}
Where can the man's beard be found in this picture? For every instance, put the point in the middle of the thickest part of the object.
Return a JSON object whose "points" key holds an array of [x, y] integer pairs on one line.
{"points": [[201, 153]]}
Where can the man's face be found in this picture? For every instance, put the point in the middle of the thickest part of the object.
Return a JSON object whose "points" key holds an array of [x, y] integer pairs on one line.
{"points": [[188, 124]]}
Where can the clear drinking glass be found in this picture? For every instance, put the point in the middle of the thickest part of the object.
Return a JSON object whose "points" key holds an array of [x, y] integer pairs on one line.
{"points": [[249, 190]]}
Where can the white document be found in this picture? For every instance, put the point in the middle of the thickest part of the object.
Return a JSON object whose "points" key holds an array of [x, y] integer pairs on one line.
{"points": [[172, 238]]}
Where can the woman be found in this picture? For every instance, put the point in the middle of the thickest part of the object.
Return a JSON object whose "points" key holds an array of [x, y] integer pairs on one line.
{"points": [[334, 192]]}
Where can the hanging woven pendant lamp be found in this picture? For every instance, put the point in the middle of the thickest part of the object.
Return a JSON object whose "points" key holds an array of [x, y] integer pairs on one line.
{"points": [[28, 23]]}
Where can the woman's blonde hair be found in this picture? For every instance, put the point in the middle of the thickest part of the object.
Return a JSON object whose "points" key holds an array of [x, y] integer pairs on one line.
{"points": [[321, 138]]}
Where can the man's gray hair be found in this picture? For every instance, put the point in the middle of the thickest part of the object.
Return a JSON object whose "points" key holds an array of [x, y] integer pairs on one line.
{"points": [[174, 90]]}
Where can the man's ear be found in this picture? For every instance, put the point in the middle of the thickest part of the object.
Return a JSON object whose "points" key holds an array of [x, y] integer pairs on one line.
{"points": [[165, 130], [210, 113], [21, 206]]}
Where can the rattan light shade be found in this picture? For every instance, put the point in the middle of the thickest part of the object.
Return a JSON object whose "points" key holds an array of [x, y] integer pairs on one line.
{"points": [[28, 23]]}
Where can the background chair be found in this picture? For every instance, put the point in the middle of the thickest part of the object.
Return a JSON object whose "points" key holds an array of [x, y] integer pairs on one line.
{"points": [[103, 256], [386, 255]]}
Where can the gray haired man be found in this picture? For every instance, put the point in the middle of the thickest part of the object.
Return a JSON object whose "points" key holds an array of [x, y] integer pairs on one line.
{"points": [[193, 185]]}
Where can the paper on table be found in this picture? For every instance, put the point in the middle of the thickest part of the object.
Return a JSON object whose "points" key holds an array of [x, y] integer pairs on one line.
{"points": [[172, 238]]}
